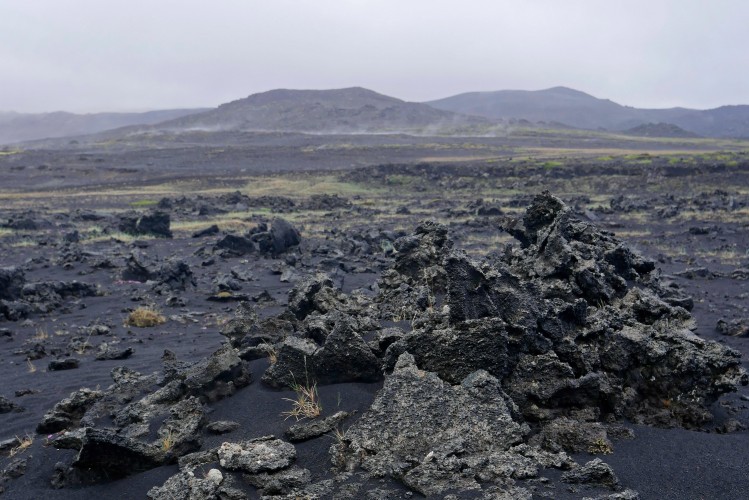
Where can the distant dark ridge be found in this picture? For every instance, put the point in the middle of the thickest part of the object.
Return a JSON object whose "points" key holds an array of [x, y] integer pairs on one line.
{"points": [[660, 130], [581, 110], [18, 127], [349, 110]]}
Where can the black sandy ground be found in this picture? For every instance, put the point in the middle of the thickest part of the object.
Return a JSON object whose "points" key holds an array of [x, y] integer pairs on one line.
{"points": [[658, 463]]}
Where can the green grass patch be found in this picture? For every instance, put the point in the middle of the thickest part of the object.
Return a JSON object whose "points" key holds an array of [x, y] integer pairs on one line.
{"points": [[143, 203]]}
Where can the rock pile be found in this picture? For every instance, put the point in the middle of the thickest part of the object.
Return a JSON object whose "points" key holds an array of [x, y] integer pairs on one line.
{"points": [[497, 369]]}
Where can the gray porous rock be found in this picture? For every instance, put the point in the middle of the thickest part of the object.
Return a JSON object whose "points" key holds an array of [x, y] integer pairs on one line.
{"points": [[595, 472], [282, 482], [265, 454], [313, 293], [147, 427], [308, 430], [433, 435], [734, 328], [222, 426], [187, 486]]}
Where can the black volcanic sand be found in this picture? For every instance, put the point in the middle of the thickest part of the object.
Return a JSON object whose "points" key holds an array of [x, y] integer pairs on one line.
{"points": [[658, 463]]}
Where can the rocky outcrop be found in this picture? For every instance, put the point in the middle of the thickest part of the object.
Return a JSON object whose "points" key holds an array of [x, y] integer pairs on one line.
{"points": [[148, 427], [436, 437], [571, 323], [153, 224]]}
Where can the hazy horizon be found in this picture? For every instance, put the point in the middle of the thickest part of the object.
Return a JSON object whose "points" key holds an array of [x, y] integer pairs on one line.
{"points": [[84, 56]]}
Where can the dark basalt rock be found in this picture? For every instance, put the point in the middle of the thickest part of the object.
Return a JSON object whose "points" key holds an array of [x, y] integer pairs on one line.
{"points": [[572, 323], [156, 223], [284, 236], [236, 246], [209, 231], [12, 280], [65, 364], [326, 202], [454, 353], [175, 275], [104, 454], [293, 363], [314, 293], [107, 352], [136, 270], [8, 406], [216, 376], [345, 357], [68, 412], [284, 482], [421, 250]]}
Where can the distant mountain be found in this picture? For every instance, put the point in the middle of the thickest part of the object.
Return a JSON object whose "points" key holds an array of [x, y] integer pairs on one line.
{"points": [[581, 110], [345, 111], [17, 127]]}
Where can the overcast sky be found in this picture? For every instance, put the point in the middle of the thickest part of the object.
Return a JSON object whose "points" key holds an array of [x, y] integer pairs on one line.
{"points": [[96, 55]]}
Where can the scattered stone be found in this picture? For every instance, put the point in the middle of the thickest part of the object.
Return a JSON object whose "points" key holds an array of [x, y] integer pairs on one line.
{"points": [[209, 231], [186, 485], [740, 274], [280, 483], [12, 280], [734, 328], [104, 454], [305, 431], [594, 472], [8, 406], [235, 246], [153, 224], [344, 357], [698, 272], [65, 364], [175, 275], [15, 469], [222, 427], [107, 352]]}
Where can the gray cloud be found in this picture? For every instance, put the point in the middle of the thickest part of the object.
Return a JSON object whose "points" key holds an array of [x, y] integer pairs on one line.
{"points": [[88, 55]]}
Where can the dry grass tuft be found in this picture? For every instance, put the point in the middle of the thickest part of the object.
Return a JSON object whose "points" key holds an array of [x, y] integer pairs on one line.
{"points": [[271, 351], [23, 444], [41, 334], [145, 317], [167, 442], [31, 367], [307, 402]]}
